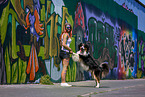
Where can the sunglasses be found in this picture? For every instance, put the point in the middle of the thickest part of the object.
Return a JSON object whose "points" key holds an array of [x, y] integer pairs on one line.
{"points": [[68, 27]]}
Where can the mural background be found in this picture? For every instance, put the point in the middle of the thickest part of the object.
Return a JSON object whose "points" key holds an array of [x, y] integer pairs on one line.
{"points": [[29, 39]]}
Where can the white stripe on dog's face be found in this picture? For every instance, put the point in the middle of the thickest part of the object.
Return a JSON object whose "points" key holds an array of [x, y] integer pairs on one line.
{"points": [[83, 49], [84, 52]]}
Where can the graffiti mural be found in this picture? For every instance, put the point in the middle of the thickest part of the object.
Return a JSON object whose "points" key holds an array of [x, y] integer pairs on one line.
{"points": [[29, 40], [79, 29], [126, 7], [128, 54], [141, 55], [32, 21], [111, 40]]}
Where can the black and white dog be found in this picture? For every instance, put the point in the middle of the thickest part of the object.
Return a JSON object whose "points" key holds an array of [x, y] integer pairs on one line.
{"points": [[87, 62]]}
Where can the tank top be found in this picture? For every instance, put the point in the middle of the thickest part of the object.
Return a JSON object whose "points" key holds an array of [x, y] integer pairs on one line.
{"points": [[67, 43]]}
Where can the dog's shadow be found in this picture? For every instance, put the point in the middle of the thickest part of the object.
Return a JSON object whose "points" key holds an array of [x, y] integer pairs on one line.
{"points": [[90, 86], [104, 87]]}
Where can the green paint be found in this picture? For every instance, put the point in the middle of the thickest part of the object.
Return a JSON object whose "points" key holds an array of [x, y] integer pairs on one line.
{"points": [[42, 13], [59, 26], [107, 6], [143, 58], [14, 46], [52, 8], [10, 18], [48, 29], [41, 53], [21, 70], [14, 73], [27, 50], [4, 21], [139, 61], [71, 72], [42, 1], [22, 4], [142, 48], [139, 48], [8, 66]]}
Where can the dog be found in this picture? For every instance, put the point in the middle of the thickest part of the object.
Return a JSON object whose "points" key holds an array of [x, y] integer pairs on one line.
{"points": [[88, 63]]}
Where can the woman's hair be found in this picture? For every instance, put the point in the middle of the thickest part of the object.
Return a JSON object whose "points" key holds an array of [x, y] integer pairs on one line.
{"points": [[70, 35]]}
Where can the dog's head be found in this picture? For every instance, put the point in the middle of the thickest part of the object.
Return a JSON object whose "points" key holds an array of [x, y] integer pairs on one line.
{"points": [[83, 47]]}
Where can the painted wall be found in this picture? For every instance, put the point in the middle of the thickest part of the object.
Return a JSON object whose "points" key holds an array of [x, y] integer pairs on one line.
{"points": [[30, 47], [137, 9], [111, 40], [141, 54], [29, 41]]}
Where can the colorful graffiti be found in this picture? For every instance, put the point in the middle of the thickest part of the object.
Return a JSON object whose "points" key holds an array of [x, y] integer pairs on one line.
{"points": [[141, 55], [126, 7], [29, 41], [128, 54], [110, 40]]}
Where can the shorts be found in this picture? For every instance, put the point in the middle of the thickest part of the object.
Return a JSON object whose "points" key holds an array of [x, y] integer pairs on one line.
{"points": [[64, 54]]}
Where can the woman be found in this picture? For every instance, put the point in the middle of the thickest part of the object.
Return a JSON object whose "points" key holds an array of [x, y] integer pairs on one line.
{"points": [[65, 40]]}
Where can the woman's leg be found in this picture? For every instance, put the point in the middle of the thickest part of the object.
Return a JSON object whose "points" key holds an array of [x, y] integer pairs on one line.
{"points": [[65, 63]]}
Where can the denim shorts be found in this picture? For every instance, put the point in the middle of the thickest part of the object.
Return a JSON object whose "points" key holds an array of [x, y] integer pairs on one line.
{"points": [[64, 54]]}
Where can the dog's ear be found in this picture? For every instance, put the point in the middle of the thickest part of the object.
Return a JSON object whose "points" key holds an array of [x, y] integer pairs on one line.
{"points": [[81, 44]]}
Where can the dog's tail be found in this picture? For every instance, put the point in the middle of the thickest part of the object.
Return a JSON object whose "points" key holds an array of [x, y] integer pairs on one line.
{"points": [[105, 69]]}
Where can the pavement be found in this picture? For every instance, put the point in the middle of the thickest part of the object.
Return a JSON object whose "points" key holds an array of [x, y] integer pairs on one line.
{"points": [[108, 88]]}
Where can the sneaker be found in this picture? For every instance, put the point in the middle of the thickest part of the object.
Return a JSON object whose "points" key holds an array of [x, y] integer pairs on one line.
{"points": [[65, 85], [97, 85]]}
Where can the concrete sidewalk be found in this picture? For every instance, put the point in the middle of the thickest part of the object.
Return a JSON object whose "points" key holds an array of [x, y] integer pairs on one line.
{"points": [[108, 88]]}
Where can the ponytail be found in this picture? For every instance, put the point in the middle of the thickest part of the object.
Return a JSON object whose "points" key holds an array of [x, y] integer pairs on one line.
{"points": [[61, 38]]}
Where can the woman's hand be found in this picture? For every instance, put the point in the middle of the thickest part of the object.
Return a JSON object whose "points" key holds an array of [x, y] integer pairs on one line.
{"points": [[71, 52]]}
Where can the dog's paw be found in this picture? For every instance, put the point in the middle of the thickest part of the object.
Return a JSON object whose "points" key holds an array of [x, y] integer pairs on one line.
{"points": [[75, 57]]}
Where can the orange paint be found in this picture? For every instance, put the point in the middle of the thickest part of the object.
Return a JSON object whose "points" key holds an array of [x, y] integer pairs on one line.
{"points": [[32, 72], [37, 24], [27, 22], [36, 60], [29, 63]]}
